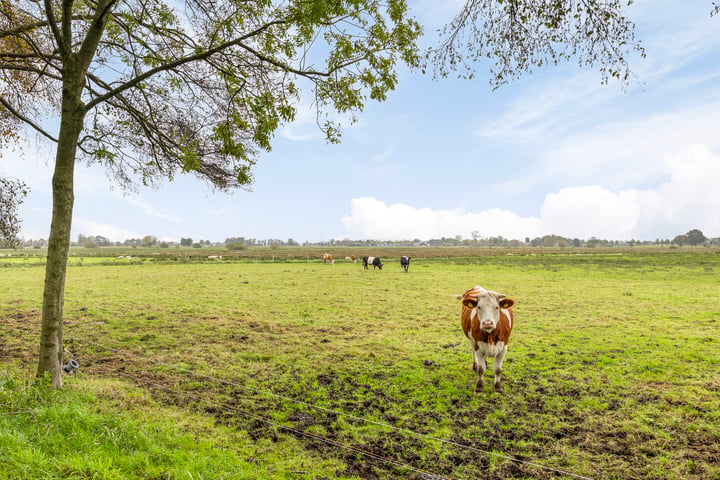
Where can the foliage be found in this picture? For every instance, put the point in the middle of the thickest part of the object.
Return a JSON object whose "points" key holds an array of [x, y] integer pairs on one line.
{"points": [[235, 246], [522, 34], [12, 193], [695, 237], [199, 89]]}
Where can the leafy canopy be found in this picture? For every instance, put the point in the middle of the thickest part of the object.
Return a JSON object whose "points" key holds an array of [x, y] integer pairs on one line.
{"points": [[195, 87], [522, 34]]}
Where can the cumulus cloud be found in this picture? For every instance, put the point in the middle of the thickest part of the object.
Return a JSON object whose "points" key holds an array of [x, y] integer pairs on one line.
{"points": [[373, 219], [592, 211], [687, 199]]}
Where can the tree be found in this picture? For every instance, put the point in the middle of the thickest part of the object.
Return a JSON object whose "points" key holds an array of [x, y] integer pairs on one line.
{"points": [[150, 91], [680, 240], [149, 241], [521, 34], [695, 237]]}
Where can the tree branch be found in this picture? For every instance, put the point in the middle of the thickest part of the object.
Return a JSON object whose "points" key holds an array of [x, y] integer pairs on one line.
{"points": [[22, 117]]}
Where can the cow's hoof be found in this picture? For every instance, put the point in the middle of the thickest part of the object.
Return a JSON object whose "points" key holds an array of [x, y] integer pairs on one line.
{"points": [[498, 388], [478, 388]]}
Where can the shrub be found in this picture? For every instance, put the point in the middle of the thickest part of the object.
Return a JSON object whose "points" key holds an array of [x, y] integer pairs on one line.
{"points": [[235, 246]]}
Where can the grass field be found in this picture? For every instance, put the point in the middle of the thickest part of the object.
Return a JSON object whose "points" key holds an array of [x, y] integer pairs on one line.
{"points": [[281, 367]]}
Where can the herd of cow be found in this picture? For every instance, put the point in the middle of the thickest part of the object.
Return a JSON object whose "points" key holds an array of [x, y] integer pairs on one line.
{"points": [[486, 319], [374, 261]]}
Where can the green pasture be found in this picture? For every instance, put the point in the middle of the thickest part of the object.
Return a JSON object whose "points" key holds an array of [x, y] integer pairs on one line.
{"points": [[289, 368]]}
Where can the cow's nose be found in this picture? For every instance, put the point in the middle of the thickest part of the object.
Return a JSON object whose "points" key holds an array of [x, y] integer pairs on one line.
{"points": [[487, 323]]}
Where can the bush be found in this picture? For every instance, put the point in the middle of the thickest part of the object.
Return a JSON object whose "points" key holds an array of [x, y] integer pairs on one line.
{"points": [[235, 246]]}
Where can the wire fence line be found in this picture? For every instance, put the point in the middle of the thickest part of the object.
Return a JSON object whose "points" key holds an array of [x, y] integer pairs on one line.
{"points": [[332, 411]]}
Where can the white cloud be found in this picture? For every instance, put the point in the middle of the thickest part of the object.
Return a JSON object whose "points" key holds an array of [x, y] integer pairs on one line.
{"points": [[373, 219], [584, 212], [687, 200]]}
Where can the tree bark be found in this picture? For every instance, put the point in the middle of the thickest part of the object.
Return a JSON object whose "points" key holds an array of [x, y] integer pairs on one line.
{"points": [[51, 339]]}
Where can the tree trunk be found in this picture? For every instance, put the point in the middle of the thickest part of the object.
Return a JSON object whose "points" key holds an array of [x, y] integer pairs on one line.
{"points": [[51, 339]]}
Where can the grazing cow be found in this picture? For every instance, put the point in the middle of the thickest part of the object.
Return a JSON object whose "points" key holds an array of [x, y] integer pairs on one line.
{"points": [[374, 261], [487, 320], [404, 263], [327, 258]]}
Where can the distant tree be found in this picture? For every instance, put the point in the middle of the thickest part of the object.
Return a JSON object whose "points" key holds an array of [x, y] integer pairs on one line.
{"points": [[164, 245], [680, 240], [90, 244], [101, 241], [235, 246], [186, 242], [149, 241], [695, 237]]}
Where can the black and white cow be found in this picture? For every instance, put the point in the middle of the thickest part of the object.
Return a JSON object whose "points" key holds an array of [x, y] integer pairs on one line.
{"points": [[374, 261], [404, 263]]}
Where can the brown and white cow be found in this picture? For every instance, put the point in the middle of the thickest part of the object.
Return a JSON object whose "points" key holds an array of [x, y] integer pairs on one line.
{"points": [[487, 321], [327, 258]]}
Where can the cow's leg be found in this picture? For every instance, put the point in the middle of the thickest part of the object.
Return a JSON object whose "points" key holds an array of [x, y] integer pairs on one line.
{"points": [[497, 368], [480, 363], [472, 352]]}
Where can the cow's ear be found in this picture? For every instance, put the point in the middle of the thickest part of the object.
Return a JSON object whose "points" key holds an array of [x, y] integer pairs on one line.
{"points": [[469, 302], [506, 302]]}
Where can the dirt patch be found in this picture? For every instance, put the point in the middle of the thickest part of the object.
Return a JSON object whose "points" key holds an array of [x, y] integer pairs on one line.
{"points": [[19, 336]]}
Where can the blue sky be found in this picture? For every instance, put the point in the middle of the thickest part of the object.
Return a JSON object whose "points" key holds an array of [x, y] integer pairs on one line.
{"points": [[553, 153]]}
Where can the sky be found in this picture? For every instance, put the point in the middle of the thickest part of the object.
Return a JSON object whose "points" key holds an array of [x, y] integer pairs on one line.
{"points": [[555, 152]]}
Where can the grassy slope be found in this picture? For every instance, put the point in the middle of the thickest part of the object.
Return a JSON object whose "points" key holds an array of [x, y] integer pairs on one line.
{"points": [[612, 370]]}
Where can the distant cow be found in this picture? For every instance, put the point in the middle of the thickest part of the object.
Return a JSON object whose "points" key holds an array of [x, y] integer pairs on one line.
{"points": [[487, 320], [327, 258], [374, 261], [404, 263]]}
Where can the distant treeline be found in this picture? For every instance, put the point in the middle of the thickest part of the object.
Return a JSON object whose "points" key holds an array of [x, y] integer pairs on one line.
{"points": [[693, 238]]}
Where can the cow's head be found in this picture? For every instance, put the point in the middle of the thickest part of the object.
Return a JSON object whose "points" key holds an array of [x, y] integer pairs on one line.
{"points": [[488, 305]]}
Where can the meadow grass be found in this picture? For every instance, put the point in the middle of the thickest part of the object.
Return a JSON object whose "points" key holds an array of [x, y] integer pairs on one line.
{"points": [[612, 370]]}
